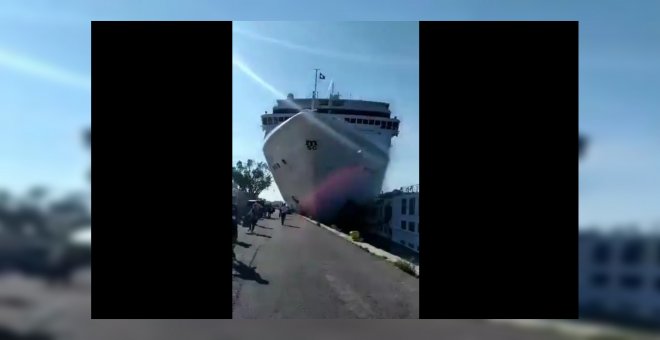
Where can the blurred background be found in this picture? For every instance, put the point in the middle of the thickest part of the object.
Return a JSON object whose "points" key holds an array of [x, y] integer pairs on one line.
{"points": [[45, 134]]}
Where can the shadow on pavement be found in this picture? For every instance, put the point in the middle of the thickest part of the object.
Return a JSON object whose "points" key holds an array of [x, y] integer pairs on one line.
{"points": [[248, 273], [291, 226], [262, 235], [6, 334], [243, 244], [263, 227], [14, 302]]}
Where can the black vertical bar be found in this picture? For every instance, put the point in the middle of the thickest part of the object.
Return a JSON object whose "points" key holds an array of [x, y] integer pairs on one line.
{"points": [[499, 118], [161, 108]]}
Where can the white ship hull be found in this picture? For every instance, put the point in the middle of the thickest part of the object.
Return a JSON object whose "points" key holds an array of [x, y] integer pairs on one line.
{"points": [[320, 163]]}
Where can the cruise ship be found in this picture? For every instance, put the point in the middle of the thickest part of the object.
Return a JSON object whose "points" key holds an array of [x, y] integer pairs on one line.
{"points": [[327, 153]]}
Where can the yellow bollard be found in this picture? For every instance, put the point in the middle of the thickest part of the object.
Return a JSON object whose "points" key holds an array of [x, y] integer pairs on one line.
{"points": [[355, 235]]}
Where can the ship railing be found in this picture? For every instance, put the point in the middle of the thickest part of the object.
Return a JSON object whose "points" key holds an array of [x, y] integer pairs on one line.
{"points": [[411, 189]]}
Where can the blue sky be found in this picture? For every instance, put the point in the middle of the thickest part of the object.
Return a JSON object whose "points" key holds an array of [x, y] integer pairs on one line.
{"points": [[365, 60], [45, 59]]}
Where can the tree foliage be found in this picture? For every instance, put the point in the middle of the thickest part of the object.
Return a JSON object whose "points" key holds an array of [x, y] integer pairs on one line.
{"points": [[252, 177]]}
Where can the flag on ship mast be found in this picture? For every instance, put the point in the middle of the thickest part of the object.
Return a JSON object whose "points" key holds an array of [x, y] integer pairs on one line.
{"points": [[321, 76]]}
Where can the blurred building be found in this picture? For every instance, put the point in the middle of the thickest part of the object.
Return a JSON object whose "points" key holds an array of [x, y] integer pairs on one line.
{"points": [[620, 275], [395, 216]]}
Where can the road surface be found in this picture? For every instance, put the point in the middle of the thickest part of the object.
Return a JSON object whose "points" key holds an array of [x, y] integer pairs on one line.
{"points": [[300, 270]]}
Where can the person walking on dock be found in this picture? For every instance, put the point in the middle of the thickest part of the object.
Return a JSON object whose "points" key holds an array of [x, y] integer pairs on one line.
{"points": [[283, 212]]}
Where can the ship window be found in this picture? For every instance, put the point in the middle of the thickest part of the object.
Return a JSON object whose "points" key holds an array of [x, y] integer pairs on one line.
{"points": [[371, 122], [631, 282], [389, 125], [383, 124], [281, 119], [411, 226], [402, 242], [602, 253], [403, 225], [283, 162], [599, 280], [352, 120], [359, 121], [633, 252], [347, 120], [411, 245], [263, 120], [403, 206], [396, 125]]}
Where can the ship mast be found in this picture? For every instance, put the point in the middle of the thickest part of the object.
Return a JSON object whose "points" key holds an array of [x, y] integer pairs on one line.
{"points": [[316, 80]]}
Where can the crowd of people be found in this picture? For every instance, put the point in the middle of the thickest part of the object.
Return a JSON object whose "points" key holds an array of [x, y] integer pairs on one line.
{"points": [[256, 212]]}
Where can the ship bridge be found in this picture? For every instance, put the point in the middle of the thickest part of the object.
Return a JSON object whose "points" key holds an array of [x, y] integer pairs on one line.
{"points": [[363, 114]]}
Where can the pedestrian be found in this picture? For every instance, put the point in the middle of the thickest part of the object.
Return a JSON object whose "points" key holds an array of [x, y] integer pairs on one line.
{"points": [[253, 217], [283, 212]]}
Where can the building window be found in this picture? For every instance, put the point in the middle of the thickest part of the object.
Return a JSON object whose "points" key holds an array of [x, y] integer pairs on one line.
{"points": [[602, 253], [411, 245], [403, 225], [657, 284], [403, 206], [631, 282], [599, 280], [411, 226], [411, 207], [402, 242], [632, 252]]}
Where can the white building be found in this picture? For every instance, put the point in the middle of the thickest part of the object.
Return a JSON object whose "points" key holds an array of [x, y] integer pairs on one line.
{"points": [[620, 275], [396, 217]]}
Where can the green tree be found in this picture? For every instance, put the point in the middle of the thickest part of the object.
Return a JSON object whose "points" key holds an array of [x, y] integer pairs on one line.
{"points": [[252, 177]]}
